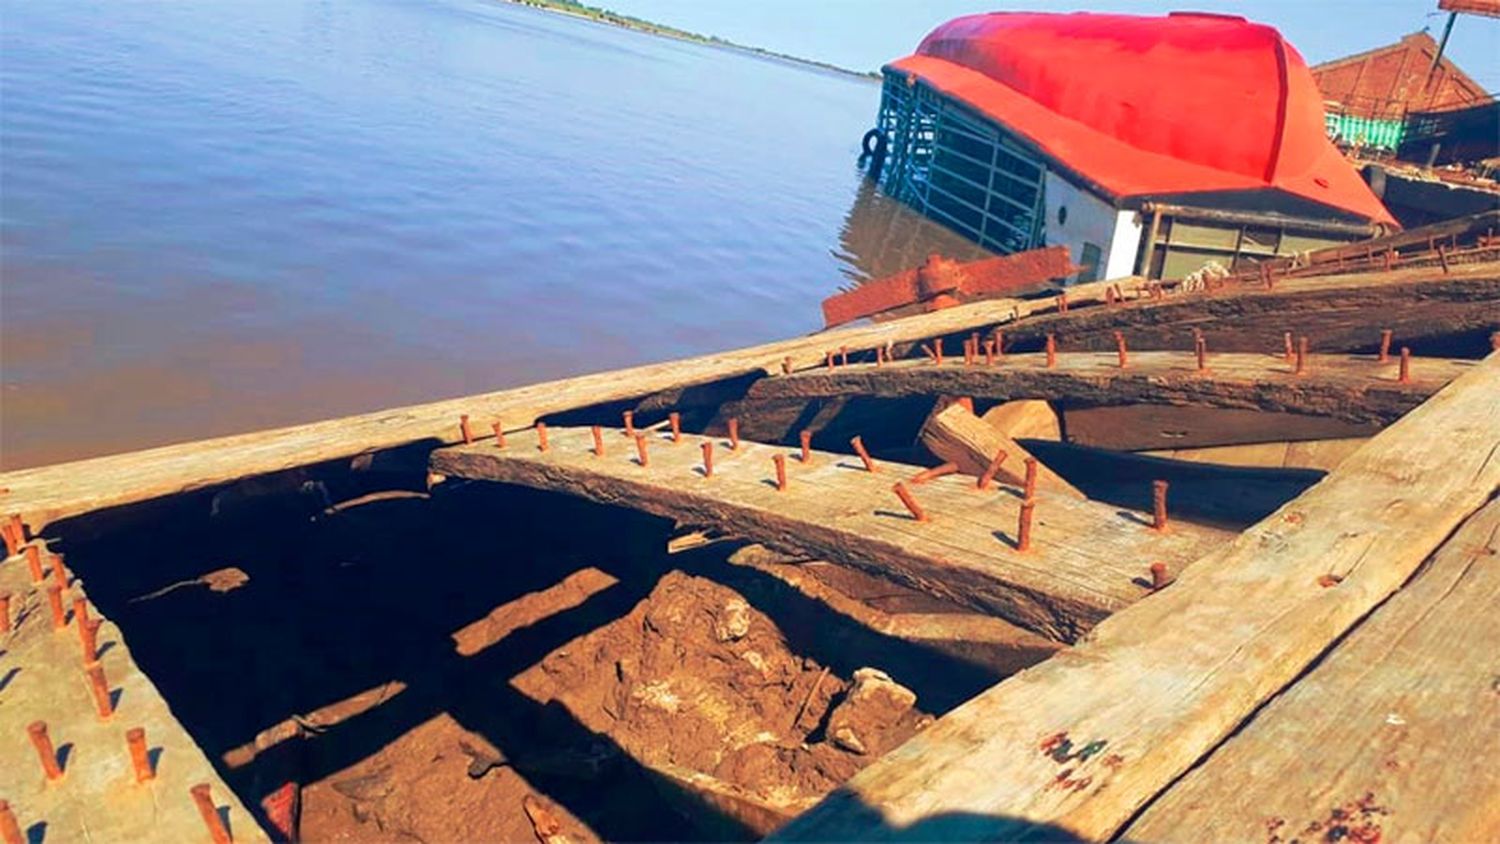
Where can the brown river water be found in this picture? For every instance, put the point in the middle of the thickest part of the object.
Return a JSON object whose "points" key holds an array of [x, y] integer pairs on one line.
{"points": [[218, 217]]}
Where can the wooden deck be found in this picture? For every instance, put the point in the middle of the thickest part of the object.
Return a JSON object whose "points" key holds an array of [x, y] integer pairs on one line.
{"points": [[1394, 733], [1087, 559], [1078, 744], [1344, 387]]}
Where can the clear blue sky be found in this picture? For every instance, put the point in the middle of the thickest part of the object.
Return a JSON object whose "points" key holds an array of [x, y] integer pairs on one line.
{"points": [[864, 34]]}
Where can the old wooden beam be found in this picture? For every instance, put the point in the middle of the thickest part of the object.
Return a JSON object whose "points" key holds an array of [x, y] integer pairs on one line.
{"points": [[1152, 427], [1087, 560], [1076, 745], [956, 435], [1401, 718], [1341, 387]]}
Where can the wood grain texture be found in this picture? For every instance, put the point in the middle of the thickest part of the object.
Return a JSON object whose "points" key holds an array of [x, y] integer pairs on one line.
{"points": [[1340, 313], [1078, 744], [1343, 387], [1085, 562], [1323, 455], [956, 435], [1151, 427], [1025, 419], [1395, 732]]}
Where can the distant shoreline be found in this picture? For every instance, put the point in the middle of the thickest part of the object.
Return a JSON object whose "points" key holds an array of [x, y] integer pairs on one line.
{"points": [[605, 16]]}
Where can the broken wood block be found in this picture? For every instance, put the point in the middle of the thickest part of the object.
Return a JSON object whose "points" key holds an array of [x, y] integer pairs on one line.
{"points": [[958, 436], [1025, 419]]}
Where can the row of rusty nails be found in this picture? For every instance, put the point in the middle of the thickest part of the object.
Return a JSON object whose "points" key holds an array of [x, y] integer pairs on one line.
{"points": [[88, 630]]}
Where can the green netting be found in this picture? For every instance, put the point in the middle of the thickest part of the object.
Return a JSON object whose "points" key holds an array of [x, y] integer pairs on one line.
{"points": [[1365, 131]]}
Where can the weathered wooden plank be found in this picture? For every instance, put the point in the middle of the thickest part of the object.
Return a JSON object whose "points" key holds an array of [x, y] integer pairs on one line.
{"points": [[1079, 743], [1343, 387], [1392, 736], [1151, 427], [1084, 564], [1025, 419], [1323, 455], [956, 435], [1339, 313]]}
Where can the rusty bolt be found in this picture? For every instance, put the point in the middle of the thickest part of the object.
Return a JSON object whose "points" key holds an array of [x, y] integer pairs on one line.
{"points": [[463, 427], [629, 423], [4, 612], [1109, 296], [135, 739], [1405, 374], [1120, 350], [81, 609], [17, 531], [806, 438], [786, 365], [926, 475], [54, 599], [1062, 302], [1301, 356], [1023, 531], [88, 639], [1159, 576], [1158, 505], [828, 360], [992, 470], [1495, 341], [205, 802], [34, 562], [1051, 351], [1443, 258], [1385, 345], [937, 350], [1201, 347], [1290, 353], [675, 420], [541, 436], [859, 448], [989, 353], [59, 571], [598, 441], [44, 749], [708, 459], [879, 356], [966, 402], [911, 503], [1030, 488], [999, 338], [780, 461], [640, 450], [100, 687], [968, 352], [499, 434], [843, 355], [734, 434], [10, 831]]}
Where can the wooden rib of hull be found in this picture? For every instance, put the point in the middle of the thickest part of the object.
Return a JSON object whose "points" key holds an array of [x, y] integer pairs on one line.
{"points": [[1401, 718], [1353, 389], [1079, 743], [45, 494], [1087, 559]]}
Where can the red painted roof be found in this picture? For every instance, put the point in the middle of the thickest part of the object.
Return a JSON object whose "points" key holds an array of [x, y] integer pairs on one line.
{"points": [[1149, 105]]}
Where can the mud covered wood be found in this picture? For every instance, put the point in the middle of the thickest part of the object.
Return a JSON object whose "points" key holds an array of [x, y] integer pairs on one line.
{"points": [[956, 435], [1078, 744], [1392, 736], [1087, 560], [1340, 387]]}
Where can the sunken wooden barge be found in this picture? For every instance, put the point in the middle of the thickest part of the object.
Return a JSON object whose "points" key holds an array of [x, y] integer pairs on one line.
{"points": [[1327, 672]]}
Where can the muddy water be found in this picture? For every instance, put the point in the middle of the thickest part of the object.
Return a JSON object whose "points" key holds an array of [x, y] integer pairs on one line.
{"points": [[219, 217]]}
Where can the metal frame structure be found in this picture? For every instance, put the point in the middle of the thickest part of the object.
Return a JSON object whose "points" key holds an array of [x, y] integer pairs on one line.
{"points": [[960, 168]]}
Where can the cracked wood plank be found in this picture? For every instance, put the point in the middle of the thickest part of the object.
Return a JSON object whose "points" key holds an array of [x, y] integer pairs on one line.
{"points": [[1343, 387], [1084, 564], [1081, 742], [1394, 734]]}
